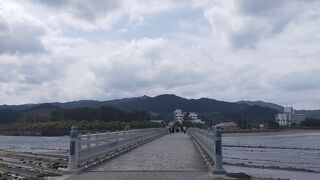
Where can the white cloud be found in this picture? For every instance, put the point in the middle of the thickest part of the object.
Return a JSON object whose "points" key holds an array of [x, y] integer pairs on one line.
{"points": [[122, 30], [71, 50]]}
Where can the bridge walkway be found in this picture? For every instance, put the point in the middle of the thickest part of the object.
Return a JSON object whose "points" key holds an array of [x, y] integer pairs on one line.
{"points": [[172, 156]]}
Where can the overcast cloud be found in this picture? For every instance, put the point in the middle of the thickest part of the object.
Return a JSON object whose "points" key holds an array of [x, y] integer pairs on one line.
{"points": [[63, 50]]}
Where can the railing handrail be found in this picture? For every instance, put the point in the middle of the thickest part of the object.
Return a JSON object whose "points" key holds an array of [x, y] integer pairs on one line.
{"points": [[111, 132], [87, 148], [211, 144]]}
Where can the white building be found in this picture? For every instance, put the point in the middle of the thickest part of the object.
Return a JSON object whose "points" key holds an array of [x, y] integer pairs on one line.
{"points": [[282, 119], [178, 115], [289, 117], [194, 118]]}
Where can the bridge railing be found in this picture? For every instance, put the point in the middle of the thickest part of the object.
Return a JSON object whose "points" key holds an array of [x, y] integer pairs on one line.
{"points": [[91, 147], [211, 144]]}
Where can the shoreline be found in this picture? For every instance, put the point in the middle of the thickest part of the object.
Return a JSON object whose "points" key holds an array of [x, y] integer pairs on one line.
{"points": [[32, 165]]}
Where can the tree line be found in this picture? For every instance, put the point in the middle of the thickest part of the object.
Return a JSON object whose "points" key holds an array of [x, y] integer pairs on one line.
{"points": [[311, 122], [105, 114], [103, 118]]}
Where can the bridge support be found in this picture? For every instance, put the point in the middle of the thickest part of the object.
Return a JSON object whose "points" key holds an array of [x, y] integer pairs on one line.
{"points": [[218, 163], [74, 143]]}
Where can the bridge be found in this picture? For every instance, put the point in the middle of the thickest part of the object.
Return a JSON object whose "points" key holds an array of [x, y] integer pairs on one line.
{"points": [[146, 154]]}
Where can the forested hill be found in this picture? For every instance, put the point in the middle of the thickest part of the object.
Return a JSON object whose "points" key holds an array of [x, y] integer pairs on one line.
{"points": [[307, 113], [168, 103], [263, 104], [163, 104]]}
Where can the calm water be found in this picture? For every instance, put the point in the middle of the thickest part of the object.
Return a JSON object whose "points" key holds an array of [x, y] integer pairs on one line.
{"points": [[294, 156], [33, 143]]}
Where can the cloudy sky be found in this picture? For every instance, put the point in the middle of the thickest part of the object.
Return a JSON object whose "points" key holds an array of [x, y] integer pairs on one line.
{"points": [[63, 50]]}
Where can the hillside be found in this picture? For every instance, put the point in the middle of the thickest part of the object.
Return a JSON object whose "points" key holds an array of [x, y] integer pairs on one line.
{"points": [[310, 113], [40, 112], [307, 113], [263, 104], [210, 109]]}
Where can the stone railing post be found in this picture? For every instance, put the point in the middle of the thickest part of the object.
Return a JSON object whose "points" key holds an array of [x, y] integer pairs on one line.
{"points": [[218, 163], [73, 151]]}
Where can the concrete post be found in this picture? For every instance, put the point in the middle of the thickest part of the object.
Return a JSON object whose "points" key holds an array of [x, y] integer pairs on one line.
{"points": [[218, 163], [73, 151]]}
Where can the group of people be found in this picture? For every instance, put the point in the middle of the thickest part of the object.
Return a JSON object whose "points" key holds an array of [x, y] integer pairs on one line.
{"points": [[176, 129]]}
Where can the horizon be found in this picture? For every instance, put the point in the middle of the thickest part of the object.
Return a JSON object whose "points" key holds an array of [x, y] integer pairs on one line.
{"points": [[68, 50]]}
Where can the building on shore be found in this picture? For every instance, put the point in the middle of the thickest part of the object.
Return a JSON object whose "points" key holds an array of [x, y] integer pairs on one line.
{"points": [[289, 117], [194, 118], [178, 116], [227, 126]]}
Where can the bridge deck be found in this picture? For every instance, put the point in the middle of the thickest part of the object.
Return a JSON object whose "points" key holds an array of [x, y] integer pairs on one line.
{"points": [[169, 157]]}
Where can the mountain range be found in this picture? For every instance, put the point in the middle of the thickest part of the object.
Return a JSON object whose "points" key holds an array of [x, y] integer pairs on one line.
{"points": [[307, 113], [163, 104]]}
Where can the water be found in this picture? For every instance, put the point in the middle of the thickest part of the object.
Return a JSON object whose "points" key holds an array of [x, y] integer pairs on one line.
{"points": [[291, 156], [33, 143], [274, 173], [294, 156]]}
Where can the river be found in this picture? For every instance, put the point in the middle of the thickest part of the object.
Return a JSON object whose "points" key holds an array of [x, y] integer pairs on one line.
{"points": [[293, 156], [287, 156], [33, 143]]}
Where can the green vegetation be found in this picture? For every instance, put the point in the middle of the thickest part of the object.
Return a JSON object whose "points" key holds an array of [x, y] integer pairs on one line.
{"points": [[311, 123], [209, 110], [105, 114], [104, 118], [249, 124], [83, 125], [8, 115]]}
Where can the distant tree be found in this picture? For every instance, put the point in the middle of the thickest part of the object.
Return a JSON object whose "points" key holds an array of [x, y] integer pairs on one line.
{"points": [[294, 125], [186, 116], [159, 117], [8, 116], [188, 123], [56, 115], [310, 122]]}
